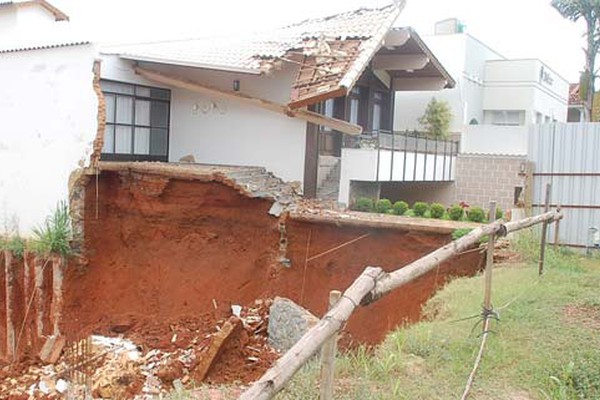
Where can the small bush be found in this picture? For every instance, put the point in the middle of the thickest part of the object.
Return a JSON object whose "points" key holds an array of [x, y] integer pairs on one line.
{"points": [[364, 204], [420, 208], [437, 210], [55, 235], [14, 245], [456, 213], [400, 207], [383, 206], [476, 214], [458, 233], [499, 213]]}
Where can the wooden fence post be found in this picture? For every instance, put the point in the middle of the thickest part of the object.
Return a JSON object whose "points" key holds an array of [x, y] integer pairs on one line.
{"points": [[556, 231], [489, 265], [328, 355], [544, 231]]}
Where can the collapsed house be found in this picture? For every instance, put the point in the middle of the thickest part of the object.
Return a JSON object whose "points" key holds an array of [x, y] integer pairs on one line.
{"points": [[188, 166]]}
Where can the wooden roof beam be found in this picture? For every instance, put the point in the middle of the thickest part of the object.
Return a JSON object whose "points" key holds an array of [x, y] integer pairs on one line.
{"points": [[303, 114]]}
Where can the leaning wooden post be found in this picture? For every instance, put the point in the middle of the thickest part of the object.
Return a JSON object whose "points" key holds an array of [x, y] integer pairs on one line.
{"points": [[328, 355], [557, 230], [544, 231], [489, 265]]}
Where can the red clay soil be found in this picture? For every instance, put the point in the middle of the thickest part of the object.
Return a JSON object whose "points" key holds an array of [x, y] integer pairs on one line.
{"points": [[165, 250]]}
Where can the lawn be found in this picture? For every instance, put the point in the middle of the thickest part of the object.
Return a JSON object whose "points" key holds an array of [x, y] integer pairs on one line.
{"points": [[546, 344]]}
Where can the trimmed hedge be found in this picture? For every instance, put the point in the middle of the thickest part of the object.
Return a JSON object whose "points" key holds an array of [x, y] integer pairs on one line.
{"points": [[420, 208], [383, 206], [400, 207], [437, 210], [476, 214], [456, 213], [364, 204]]}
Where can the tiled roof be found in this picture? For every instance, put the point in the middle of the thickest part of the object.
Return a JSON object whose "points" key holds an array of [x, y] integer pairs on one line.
{"points": [[39, 46], [244, 52], [316, 44], [58, 14]]}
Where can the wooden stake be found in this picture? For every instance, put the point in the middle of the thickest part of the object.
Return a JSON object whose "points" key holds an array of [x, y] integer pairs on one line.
{"points": [[557, 231], [303, 114], [544, 231], [489, 265], [328, 355], [371, 285]]}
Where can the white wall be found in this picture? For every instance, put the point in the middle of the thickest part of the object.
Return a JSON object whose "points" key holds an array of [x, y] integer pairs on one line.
{"points": [[29, 24], [516, 85], [361, 165], [48, 112], [464, 57], [491, 139], [218, 131]]}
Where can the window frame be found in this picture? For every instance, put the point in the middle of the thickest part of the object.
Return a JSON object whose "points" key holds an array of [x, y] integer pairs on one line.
{"points": [[133, 125]]}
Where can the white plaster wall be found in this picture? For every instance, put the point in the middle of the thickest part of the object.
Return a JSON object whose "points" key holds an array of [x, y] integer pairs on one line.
{"points": [[361, 165], [492, 139], [464, 57], [219, 131], [516, 85], [27, 25], [48, 113]]}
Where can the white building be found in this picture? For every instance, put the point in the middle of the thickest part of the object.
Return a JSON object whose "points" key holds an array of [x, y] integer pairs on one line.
{"points": [[490, 89], [283, 100]]}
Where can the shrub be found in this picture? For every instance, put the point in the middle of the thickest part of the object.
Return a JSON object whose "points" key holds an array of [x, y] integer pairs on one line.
{"points": [[476, 214], [458, 233], [14, 245], [499, 213], [437, 210], [420, 208], [364, 204], [456, 213], [54, 236], [400, 207], [383, 206]]}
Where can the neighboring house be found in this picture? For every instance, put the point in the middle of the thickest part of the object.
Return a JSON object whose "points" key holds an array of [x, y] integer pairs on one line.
{"points": [[284, 100], [491, 89]]}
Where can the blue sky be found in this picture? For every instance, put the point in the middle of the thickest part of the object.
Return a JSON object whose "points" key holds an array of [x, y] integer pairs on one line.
{"points": [[515, 28]]}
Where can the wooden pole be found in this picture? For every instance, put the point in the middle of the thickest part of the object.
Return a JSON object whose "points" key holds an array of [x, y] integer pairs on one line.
{"points": [[328, 355], [544, 231], [489, 265], [303, 114], [371, 285], [557, 231]]}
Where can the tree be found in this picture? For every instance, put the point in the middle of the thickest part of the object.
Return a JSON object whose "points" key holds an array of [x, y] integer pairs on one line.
{"points": [[589, 10], [437, 118]]}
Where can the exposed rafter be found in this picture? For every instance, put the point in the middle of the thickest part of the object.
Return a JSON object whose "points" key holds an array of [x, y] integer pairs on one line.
{"points": [[303, 114]]}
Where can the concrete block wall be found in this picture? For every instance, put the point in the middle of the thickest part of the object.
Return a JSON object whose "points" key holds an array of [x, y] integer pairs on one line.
{"points": [[482, 178]]}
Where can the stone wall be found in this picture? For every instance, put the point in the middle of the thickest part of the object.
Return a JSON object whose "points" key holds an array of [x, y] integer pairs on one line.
{"points": [[482, 178]]}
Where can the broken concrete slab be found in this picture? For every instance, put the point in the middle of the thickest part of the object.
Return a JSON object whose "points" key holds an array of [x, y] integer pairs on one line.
{"points": [[287, 323], [52, 348], [210, 354]]}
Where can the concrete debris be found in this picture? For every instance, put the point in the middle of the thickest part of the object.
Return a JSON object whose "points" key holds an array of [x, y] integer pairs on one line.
{"points": [[120, 368], [52, 348], [287, 323]]}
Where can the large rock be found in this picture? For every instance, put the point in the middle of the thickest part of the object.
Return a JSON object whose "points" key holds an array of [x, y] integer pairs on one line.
{"points": [[287, 323]]}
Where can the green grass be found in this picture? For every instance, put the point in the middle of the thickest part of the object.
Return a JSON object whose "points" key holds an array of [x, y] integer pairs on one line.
{"points": [[536, 350]]}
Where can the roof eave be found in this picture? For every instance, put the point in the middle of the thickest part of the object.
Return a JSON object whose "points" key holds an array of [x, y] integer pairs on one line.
{"points": [[450, 82], [214, 67]]}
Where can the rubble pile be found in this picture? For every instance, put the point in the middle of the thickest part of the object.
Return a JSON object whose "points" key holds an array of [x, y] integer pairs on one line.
{"points": [[149, 360]]}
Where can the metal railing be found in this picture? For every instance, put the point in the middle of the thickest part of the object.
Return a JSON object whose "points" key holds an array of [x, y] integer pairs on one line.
{"points": [[409, 142]]}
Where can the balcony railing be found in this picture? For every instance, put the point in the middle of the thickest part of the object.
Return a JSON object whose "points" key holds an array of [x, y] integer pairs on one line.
{"points": [[421, 158]]}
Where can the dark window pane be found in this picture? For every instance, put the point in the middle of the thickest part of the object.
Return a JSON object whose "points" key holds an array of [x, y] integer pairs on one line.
{"points": [[158, 142], [124, 110], [110, 108], [162, 94], [115, 87], [159, 114], [109, 139]]}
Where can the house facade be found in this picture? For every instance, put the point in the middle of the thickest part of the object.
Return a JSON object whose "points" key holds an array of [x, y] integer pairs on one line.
{"points": [[491, 89], [288, 100]]}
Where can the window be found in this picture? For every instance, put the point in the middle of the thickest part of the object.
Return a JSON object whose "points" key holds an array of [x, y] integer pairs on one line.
{"points": [[327, 110], [378, 100], [137, 122], [510, 118]]}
